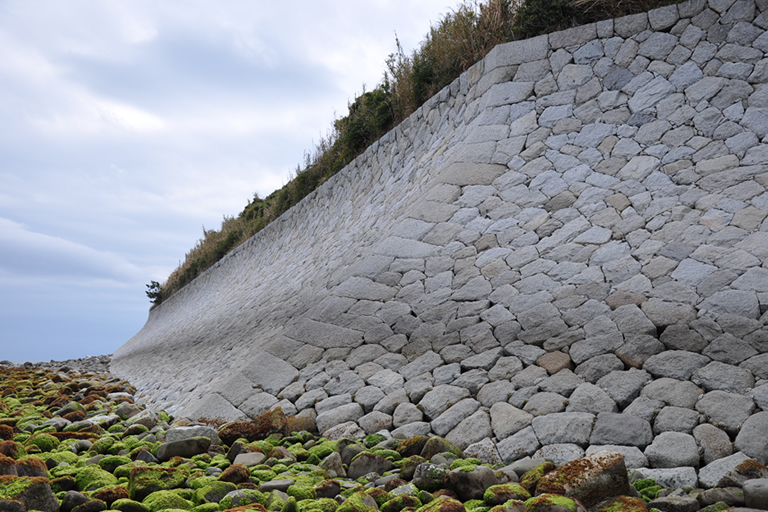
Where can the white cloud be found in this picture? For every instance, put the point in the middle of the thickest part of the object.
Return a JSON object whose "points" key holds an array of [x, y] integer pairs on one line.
{"points": [[30, 253]]}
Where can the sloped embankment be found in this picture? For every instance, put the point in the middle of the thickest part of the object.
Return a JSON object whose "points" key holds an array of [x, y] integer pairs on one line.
{"points": [[563, 249]]}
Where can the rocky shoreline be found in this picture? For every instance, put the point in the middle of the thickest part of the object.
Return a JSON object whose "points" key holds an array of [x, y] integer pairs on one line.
{"points": [[76, 441], [87, 364]]}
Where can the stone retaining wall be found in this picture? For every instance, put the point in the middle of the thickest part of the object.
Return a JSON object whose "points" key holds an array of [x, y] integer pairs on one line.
{"points": [[564, 249]]}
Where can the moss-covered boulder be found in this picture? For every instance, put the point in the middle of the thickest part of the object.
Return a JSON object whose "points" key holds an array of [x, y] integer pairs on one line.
{"points": [[128, 505], [531, 477], [109, 495], [429, 477], [320, 505], [400, 502], [31, 466], [206, 507], [12, 449], [509, 506], [91, 506], [443, 504], [163, 500], [46, 442], [145, 480], [213, 492], [435, 445], [408, 466], [91, 478], [359, 501], [241, 497], [590, 479], [412, 446], [553, 503], [498, 494], [33, 492], [112, 462], [236, 474]]}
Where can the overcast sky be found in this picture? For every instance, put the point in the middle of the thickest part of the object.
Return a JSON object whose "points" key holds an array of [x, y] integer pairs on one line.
{"points": [[125, 127]]}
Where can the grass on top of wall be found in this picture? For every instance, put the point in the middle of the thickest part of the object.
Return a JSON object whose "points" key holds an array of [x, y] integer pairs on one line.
{"points": [[461, 38]]}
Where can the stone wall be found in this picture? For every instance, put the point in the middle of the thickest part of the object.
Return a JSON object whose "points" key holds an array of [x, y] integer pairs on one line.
{"points": [[563, 249]]}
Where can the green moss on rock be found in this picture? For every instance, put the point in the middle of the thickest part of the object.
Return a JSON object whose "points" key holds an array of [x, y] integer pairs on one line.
{"points": [[213, 491], [498, 494], [145, 480], [531, 477], [163, 500], [128, 505], [400, 502], [550, 500], [91, 478], [320, 505], [45, 442], [244, 497]]}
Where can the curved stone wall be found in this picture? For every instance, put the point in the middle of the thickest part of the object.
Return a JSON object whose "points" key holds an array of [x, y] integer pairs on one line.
{"points": [[563, 249]]}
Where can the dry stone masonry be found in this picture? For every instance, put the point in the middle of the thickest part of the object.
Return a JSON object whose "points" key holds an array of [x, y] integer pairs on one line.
{"points": [[564, 250]]}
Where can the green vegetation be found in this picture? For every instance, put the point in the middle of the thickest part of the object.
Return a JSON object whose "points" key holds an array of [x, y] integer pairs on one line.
{"points": [[460, 39]]}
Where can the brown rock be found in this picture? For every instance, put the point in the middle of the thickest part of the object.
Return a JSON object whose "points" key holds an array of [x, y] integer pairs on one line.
{"points": [[747, 470], [111, 494], [555, 361], [470, 485], [271, 422], [6, 433], [236, 474], [590, 479], [732, 496], [7, 466]]}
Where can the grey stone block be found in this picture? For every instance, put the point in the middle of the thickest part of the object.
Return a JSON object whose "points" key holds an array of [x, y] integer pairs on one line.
{"points": [[471, 430], [633, 457], [521, 444], [630, 25], [673, 392], [624, 386], [673, 450], [621, 429], [559, 454], [518, 52], [671, 477], [726, 410], [675, 419], [339, 415], [725, 377], [455, 414], [713, 442], [439, 399], [564, 427], [592, 399], [752, 439], [712, 473], [756, 493], [676, 364]]}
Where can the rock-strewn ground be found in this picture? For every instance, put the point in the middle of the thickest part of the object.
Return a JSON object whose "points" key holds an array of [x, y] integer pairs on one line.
{"points": [[79, 443]]}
